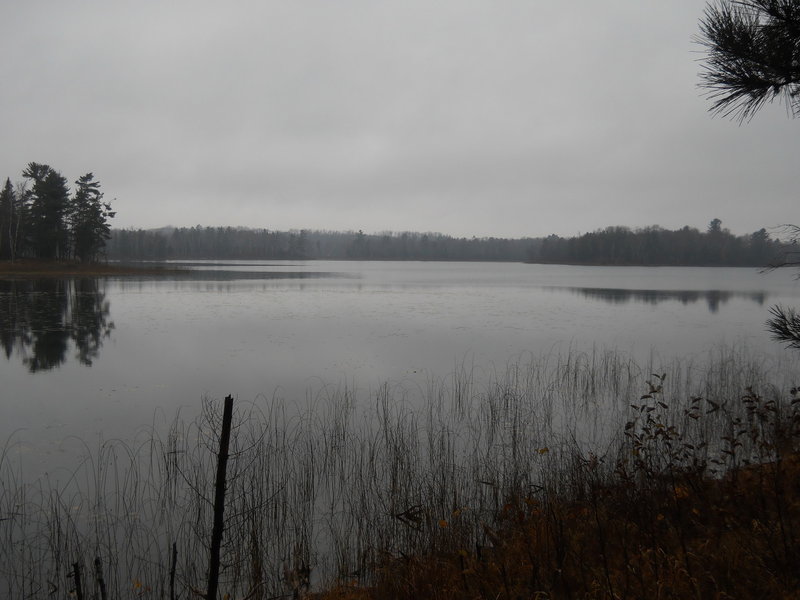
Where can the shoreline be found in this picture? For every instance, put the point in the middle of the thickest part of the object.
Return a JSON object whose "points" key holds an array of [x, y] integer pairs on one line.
{"points": [[25, 268]]}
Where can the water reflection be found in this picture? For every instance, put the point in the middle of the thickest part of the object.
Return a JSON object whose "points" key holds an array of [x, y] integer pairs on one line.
{"points": [[221, 275], [714, 298], [39, 319], [203, 273]]}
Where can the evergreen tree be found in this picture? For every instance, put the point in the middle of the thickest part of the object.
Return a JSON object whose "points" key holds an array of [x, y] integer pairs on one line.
{"points": [[761, 246], [7, 201], [48, 211], [88, 219], [753, 55], [13, 218]]}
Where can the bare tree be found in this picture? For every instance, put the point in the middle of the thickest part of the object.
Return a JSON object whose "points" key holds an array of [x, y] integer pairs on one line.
{"points": [[17, 218]]}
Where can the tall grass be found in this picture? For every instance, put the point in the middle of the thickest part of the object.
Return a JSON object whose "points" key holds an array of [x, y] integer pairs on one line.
{"points": [[340, 485]]}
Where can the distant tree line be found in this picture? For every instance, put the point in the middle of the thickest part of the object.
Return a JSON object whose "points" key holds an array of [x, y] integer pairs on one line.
{"points": [[41, 218], [229, 243], [656, 246], [611, 246]]}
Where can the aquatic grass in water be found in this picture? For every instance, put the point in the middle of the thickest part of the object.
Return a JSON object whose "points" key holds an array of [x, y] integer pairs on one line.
{"points": [[332, 488]]}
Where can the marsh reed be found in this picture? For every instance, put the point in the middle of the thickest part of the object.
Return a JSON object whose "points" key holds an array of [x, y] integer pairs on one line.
{"points": [[338, 485]]}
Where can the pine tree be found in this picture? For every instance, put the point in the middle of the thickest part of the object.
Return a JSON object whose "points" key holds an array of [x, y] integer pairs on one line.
{"points": [[7, 201], [89, 217], [48, 211], [753, 55]]}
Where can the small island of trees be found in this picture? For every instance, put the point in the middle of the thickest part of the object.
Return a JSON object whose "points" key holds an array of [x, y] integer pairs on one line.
{"points": [[41, 218]]}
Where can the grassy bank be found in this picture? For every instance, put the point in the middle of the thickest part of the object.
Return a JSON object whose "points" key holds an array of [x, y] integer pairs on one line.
{"points": [[661, 524], [568, 476], [44, 268]]}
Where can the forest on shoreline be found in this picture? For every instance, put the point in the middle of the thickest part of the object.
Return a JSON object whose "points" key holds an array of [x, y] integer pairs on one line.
{"points": [[41, 218], [617, 245]]}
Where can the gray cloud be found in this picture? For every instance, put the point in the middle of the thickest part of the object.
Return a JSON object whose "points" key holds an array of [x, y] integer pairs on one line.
{"points": [[466, 117]]}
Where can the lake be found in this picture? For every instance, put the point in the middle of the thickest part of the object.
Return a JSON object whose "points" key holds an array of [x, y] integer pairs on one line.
{"points": [[101, 358], [374, 400]]}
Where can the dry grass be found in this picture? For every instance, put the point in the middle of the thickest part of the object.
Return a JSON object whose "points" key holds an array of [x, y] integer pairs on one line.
{"points": [[676, 517], [722, 539], [554, 479]]}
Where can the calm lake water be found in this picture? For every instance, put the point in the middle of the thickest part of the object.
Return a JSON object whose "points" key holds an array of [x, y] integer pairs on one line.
{"points": [[102, 358]]}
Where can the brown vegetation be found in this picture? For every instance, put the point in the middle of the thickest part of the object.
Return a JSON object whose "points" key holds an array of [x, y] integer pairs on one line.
{"points": [[69, 268], [543, 484], [657, 526], [734, 538]]}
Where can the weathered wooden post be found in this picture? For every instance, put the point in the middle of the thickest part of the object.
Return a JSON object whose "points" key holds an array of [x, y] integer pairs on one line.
{"points": [[76, 572], [219, 499], [98, 573]]}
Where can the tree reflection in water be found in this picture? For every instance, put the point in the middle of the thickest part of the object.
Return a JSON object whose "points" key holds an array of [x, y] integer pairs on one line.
{"points": [[713, 298], [39, 319]]}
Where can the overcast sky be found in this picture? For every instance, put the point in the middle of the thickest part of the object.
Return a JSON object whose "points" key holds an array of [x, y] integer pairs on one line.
{"points": [[485, 118]]}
